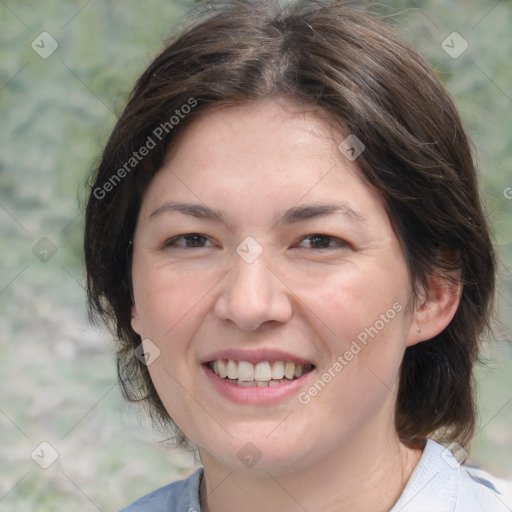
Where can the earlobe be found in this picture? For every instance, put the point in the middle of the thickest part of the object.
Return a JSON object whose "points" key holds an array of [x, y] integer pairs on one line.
{"points": [[135, 320], [436, 308]]}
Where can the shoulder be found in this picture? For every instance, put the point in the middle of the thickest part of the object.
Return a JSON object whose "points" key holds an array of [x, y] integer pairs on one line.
{"points": [[479, 488], [439, 483], [180, 495]]}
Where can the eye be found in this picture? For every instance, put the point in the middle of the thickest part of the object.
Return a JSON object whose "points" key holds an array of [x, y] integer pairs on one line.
{"points": [[319, 241], [186, 241]]}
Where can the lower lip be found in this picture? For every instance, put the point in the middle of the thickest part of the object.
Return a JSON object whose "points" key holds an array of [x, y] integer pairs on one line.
{"points": [[253, 395]]}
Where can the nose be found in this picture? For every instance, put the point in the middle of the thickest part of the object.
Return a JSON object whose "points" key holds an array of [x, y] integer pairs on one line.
{"points": [[252, 295]]}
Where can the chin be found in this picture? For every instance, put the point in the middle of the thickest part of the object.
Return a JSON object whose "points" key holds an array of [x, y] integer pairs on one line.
{"points": [[258, 453]]}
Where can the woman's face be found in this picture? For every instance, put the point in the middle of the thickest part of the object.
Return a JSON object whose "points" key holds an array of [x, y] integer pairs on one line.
{"points": [[235, 263]]}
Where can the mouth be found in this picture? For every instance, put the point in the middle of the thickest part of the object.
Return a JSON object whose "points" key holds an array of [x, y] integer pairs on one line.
{"points": [[262, 374]]}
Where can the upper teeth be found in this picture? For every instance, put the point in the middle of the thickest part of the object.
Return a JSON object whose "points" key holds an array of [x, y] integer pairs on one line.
{"points": [[263, 371]]}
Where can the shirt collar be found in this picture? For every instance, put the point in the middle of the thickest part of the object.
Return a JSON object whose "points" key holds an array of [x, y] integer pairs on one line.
{"points": [[434, 483]]}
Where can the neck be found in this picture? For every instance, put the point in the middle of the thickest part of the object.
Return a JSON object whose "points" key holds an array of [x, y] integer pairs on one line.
{"points": [[356, 478]]}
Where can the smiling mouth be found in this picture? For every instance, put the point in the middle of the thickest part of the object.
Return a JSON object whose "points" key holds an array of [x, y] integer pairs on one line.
{"points": [[263, 374]]}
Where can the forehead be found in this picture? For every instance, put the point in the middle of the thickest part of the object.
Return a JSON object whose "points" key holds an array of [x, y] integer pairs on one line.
{"points": [[283, 127], [275, 153]]}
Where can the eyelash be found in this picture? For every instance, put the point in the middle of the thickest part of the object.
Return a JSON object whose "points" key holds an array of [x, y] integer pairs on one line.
{"points": [[171, 243]]}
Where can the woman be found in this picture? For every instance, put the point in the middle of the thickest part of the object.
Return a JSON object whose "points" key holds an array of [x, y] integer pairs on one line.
{"points": [[285, 233]]}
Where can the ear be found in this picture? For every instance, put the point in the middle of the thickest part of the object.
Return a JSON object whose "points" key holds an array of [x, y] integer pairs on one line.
{"points": [[135, 320], [436, 308]]}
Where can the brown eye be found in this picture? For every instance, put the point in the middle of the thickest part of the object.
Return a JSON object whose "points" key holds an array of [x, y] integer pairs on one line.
{"points": [[187, 241], [319, 241]]}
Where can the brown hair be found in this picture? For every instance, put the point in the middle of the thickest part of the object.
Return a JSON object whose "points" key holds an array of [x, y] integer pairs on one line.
{"points": [[350, 65]]}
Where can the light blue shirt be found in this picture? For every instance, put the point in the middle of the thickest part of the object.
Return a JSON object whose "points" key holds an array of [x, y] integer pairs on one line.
{"points": [[438, 484]]}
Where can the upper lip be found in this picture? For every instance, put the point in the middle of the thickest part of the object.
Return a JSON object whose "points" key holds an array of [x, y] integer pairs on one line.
{"points": [[255, 356]]}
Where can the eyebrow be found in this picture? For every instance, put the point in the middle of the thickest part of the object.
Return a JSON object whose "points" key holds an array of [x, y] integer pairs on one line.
{"points": [[290, 216], [309, 211]]}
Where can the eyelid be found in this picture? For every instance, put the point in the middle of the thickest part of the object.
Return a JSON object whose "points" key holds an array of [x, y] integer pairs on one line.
{"points": [[170, 242], [339, 242]]}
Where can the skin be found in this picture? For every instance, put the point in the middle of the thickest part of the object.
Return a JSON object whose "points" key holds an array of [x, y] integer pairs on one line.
{"points": [[341, 450]]}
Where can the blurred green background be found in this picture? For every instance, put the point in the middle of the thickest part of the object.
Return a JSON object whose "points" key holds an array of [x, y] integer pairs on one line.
{"points": [[57, 371]]}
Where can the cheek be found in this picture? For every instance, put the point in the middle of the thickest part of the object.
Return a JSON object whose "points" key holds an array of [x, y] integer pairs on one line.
{"points": [[352, 302], [364, 326], [171, 305], [173, 387], [365, 342], [167, 298]]}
